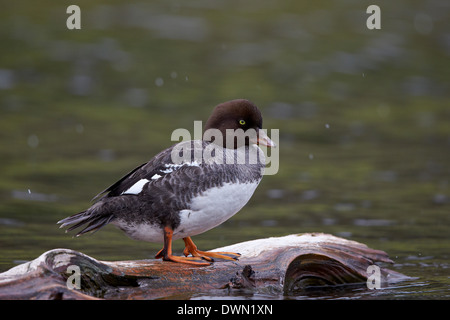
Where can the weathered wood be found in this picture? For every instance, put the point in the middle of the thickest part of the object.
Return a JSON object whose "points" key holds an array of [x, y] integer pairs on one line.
{"points": [[285, 265]]}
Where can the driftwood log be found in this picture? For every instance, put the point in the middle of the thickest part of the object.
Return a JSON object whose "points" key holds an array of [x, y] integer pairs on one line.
{"points": [[287, 265]]}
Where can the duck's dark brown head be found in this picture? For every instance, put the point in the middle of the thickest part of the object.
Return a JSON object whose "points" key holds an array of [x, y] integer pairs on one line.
{"points": [[239, 123]]}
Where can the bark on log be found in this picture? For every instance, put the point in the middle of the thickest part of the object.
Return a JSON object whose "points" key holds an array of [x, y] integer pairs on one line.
{"points": [[286, 265]]}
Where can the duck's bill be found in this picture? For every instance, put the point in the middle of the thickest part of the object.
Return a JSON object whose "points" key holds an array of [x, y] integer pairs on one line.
{"points": [[263, 139]]}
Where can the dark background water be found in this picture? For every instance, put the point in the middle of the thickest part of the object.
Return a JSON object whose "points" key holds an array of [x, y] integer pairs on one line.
{"points": [[364, 120]]}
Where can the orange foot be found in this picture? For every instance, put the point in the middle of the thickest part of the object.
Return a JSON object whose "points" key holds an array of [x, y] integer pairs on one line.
{"points": [[191, 248], [166, 252]]}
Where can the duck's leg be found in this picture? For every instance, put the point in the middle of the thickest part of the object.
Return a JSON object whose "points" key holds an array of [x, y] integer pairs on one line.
{"points": [[191, 248], [166, 252]]}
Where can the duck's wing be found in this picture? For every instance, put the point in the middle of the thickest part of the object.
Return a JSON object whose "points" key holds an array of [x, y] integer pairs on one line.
{"points": [[159, 166]]}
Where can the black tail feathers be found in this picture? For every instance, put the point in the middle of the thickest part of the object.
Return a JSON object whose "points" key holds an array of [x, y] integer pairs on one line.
{"points": [[94, 222]]}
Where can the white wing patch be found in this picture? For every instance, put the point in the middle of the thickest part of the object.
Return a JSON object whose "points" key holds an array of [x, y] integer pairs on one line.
{"points": [[137, 187], [171, 167]]}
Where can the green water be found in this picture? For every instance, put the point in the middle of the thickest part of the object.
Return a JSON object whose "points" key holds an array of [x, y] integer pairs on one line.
{"points": [[364, 120]]}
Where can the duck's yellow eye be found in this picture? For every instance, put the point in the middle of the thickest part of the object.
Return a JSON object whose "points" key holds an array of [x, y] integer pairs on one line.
{"points": [[242, 122]]}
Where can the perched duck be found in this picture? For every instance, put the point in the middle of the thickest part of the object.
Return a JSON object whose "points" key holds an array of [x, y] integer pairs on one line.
{"points": [[167, 198]]}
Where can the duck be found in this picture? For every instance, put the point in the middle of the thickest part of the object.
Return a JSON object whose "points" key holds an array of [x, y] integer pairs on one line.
{"points": [[188, 188]]}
